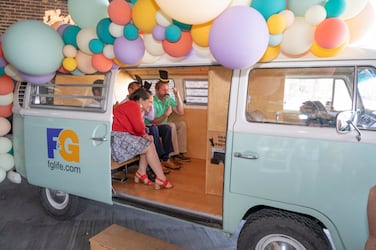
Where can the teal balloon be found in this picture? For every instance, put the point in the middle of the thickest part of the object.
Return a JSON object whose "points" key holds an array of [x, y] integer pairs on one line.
{"points": [[182, 26], [335, 8], [172, 33], [2, 71], [70, 35], [33, 47], [87, 13], [96, 46], [103, 31], [269, 7], [130, 32]]}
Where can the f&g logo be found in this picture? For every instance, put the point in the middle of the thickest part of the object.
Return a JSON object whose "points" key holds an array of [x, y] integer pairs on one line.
{"points": [[65, 142]]}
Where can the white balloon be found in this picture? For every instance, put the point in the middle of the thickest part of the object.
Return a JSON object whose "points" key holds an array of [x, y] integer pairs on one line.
{"points": [[14, 177], [5, 126], [315, 14], [83, 38], [69, 51], [201, 51], [116, 30], [289, 17], [3, 174], [353, 8], [6, 99], [148, 58], [163, 19], [241, 3], [193, 11], [298, 38], [12, 72], [6, 161], [153, 46], [5, 145], [108, 51]]}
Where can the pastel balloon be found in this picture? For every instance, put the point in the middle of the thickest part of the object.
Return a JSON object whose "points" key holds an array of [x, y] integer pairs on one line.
{"points": [[96, 46], [87, 13], [331, 33], [108, 51], [179, 48], [6, 161], [148, 58], [298, 38], [11, 71], [38, 79], [276, 24], [193, 11], [357, 28], [319, 51], [14, 177], [300, 7], [83, 39], [5, 126], [153, 46], [182, 26], [200, 33], [6, 99], [289, 17], [69, 63], [116, 30], [315, 14], [69, 51], [70, 35], [61, 28], [159, 32], [129, 52], [3, 174], [103, 31], [275, 40], [240, 3], [6, 85], [201, 51], [3, 62], [25, 42], [84, 63], [353, 8], [270, 54], [101, 63], [130, 32], [172, 33], [269, 7], [335, 8], [143, 15], [162, 19], [5, 145], [120, 12], [238, 37], [6, 110]]}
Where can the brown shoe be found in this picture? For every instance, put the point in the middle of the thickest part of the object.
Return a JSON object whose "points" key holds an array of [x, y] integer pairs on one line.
{"points": [[182, 158], [170, 164], [165, 170]]}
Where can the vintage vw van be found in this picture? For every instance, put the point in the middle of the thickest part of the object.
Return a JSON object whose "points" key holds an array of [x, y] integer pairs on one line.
{"points": [[284, 148]]}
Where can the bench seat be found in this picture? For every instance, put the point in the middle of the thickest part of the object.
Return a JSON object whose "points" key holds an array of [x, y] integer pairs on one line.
{"points": [[117, 167]]}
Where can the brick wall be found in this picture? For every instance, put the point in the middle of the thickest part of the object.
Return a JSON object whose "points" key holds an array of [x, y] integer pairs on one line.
{"points": [[12, 11]]}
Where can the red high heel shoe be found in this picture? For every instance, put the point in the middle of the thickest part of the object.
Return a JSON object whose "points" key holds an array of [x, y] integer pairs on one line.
{"points": [[144, 178], [164, 183]]}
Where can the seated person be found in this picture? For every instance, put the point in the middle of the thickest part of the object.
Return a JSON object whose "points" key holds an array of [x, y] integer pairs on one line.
{"points": [[164, 105], [129, 138], [97, 91]]}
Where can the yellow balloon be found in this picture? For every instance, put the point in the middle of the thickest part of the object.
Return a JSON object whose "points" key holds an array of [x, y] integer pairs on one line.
{"points": [[200, 33], [118, 62], [69, 63], [144, 15], [276, 24], [270, 54], [322, 52]]}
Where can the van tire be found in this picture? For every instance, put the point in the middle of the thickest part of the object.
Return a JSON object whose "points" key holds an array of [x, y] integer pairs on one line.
{"points": [[267, 226], [61, 205]]}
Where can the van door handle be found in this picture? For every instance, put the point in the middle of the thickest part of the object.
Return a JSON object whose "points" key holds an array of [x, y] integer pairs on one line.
{"points": [[245, 156], [99, 138]]}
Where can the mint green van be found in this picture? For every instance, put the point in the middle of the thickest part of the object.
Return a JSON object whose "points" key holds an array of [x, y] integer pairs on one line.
{"points": [[283, 149]]}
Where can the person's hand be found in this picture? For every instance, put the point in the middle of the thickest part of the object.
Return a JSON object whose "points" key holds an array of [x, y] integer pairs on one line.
{"points": [[168, 111], [149, 137], [175, 91]]}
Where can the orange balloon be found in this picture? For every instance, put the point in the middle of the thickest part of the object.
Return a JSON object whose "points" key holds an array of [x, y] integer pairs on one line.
{"points": [[119, 12], [6, 110], [331, 33], [6, 85], [179, 48], [101, 63]]}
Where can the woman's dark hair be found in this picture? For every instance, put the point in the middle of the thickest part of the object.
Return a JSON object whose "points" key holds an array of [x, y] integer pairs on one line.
{"points": [[140, 93]]}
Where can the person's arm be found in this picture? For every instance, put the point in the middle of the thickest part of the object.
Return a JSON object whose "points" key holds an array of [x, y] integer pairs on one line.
{"points": [[179, 109], [166, 114]]}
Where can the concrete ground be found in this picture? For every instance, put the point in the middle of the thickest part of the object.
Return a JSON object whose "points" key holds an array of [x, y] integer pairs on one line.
{"points": [[25, 225]]}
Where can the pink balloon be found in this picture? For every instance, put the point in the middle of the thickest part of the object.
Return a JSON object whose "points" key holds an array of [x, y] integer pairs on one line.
{"points": [[331, 33], [129, 52], [238, 37]]}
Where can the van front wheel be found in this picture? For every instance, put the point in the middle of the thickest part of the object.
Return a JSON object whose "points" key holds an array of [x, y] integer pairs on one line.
{"points": [[274, 229], [61, 205]]}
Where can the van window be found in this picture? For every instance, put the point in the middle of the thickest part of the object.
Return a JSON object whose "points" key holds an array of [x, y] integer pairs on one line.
{"points": [[299, 96], [78, 93], [367, 98]]}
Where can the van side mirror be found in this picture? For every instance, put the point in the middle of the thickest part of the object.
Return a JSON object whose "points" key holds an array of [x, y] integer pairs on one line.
{"points": [[346, 121]]}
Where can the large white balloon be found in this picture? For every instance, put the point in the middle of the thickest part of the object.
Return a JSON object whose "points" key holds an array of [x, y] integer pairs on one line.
{"points": [[153, 46], [298, 38], [6, 161], [353, 8], [83, 39], [193, 11], [5, 145], [87, 13]]}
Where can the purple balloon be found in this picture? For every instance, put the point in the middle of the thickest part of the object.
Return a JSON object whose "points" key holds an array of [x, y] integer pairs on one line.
{"points": [[61, 28], [129, 52], [3, 62], [158, 32], [238, 37], [37, 79]]}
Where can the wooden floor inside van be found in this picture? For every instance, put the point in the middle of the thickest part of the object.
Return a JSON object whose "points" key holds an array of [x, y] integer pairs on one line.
{"points": [[188, 193]]}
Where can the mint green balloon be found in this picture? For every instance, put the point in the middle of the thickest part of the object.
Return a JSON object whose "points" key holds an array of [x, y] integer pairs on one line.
{"points": [[87, 13], [33, 47]]}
